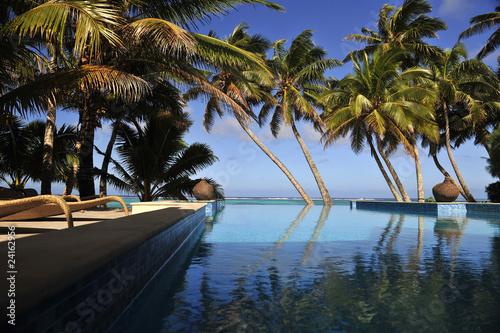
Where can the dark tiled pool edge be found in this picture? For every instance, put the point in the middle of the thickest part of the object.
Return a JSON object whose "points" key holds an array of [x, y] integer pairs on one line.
{"points": [[462, 209], [94, 302]]}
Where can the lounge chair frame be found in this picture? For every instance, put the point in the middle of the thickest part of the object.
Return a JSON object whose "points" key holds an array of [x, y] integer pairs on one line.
{"points": [[49, 205]]}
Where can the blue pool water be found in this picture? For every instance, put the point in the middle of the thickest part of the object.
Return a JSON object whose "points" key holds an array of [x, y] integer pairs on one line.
{"points": [[249, 201], [294, 268]]}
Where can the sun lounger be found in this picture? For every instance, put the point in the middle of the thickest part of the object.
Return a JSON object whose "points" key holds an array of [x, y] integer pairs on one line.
{"points": [[34, 207], [49, 205]]}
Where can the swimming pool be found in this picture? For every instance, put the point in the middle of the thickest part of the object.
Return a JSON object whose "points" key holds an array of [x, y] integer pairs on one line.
{"points": [[269, 268]]}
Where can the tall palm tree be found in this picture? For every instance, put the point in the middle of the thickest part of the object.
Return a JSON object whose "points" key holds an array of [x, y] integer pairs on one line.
{"points": [[138, 17], [479, 24], [246, 88], [53, 24], [462, 84], [154, 161], [298, 76], [378, 101], [403, 27], [158, 28]]}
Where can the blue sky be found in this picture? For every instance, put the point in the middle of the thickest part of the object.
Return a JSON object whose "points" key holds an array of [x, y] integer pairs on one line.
{"points": [[245, 171]]}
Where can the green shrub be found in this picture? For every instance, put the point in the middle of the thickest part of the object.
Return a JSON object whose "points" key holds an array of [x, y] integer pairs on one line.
{"points": [[493, 191]]}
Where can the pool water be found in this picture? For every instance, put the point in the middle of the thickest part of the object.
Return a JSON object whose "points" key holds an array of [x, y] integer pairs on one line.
{"points": [[277, 268]]}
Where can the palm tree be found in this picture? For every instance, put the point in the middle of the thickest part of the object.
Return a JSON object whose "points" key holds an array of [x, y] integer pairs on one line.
{"points": [[246, 88], [21, 151], [403, 27], [377, 100], [462, 84], [157, 28], [154, 161], [163, 99], [52, 23], [479, 24], [97, 33], [298, 76]]}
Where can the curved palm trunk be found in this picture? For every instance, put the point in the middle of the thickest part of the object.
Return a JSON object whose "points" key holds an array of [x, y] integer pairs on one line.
{"points": [[105, 163], [432, 152], [393, 172], [276, 161], [327, 200], [48, 142], [384, 173], [452, 159], [418, 169]]}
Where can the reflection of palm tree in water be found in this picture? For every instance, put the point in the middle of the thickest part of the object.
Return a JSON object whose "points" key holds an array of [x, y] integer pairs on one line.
{"points": [[250, 308], [317, 231], [245, 307]]}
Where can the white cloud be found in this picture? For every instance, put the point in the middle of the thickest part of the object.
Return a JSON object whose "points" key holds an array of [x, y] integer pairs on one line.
{"points": [[456, 8], [285, 133], [229, 127], [310, 134]]}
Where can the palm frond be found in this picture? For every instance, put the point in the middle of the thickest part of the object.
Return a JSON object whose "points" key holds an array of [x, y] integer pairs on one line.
{"points": [[163, 36], [52, 21]]}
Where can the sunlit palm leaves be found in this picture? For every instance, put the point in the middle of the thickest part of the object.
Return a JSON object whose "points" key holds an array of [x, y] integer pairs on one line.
{"points": [[406, 27], [379, 99], [481, 23], [187, 13], [51, 21], [298, 74]]}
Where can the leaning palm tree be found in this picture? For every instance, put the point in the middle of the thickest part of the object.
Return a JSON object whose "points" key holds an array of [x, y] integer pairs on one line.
{"points": [[378, 101], [153, 160], [298, 76], [463, 84], [479, 24], [246, 88], [403, 27]]}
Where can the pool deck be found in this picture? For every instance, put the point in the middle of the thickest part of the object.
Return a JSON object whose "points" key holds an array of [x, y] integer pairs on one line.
{"points": [[55, 257]]}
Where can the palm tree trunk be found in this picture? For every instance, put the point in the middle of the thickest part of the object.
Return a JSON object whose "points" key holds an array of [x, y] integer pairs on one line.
{"points": [[432, 152], [276, 161], [327, 200], [418, 168], [48, 142], [394, 175], [86, 152], [105, 162], [384, 173], [452, 159], [70, 182]]}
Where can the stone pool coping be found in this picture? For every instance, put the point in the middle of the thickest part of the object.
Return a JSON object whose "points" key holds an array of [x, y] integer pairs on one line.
{"points": [[430, 208], [212, 206], [50, 262]]}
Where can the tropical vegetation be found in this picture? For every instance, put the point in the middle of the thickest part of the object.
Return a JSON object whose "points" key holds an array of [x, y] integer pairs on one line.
{"points": [[135, 64], [21, 149], [154, 162], [298, 77], [384, 106]]}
